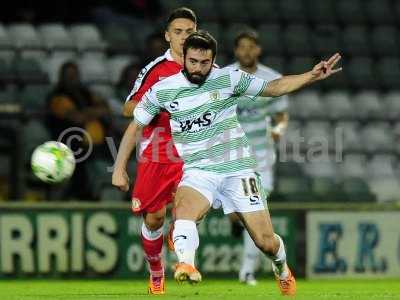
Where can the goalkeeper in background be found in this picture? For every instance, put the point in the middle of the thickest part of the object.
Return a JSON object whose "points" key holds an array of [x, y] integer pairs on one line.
{"points": [[264, 123]]}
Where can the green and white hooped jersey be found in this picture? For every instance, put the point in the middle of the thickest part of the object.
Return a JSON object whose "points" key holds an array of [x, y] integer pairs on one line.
{"points": [[255, 119], [203, 118]]}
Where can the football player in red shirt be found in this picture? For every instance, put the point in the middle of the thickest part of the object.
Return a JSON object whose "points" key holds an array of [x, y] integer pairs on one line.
{"points": [[159, 168]]}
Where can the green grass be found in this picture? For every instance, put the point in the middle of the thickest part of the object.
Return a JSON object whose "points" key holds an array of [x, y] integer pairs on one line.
{"points": [[209, 289]]}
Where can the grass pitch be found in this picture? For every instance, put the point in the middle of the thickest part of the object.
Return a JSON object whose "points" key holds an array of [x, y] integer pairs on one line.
{"points": [[209, 289]]}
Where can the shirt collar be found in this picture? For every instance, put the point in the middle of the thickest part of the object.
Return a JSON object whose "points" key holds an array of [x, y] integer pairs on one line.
{"points": [[168, 55]]}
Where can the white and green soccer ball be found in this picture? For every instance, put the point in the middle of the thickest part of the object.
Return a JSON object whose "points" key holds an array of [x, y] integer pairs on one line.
{"points": [[53, 162]]}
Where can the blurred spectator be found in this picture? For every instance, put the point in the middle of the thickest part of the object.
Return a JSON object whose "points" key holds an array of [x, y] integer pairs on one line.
{"points": [[126, 81], [83, 120], [156, 46]]}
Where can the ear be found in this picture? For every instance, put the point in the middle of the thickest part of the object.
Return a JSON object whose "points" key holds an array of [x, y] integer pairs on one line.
{"points": [[167, 38], [259, 51]]}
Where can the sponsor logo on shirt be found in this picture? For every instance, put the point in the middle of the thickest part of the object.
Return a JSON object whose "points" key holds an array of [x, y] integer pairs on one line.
{"points": [[197, 124]]}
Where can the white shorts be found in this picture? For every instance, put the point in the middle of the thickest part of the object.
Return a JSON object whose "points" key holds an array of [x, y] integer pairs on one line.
{"points": [[241, 192]]}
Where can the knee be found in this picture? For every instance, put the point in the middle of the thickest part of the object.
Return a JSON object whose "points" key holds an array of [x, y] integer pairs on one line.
{"points": [[154, 222], [266, 243]]}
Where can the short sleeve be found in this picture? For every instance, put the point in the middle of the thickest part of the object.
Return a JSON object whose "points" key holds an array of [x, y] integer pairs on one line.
{"points": [[245, 84], [146, 109]]}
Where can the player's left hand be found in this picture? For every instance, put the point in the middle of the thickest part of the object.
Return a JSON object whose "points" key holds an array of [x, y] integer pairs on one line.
{"points": [[120, 179], [326, 68]]}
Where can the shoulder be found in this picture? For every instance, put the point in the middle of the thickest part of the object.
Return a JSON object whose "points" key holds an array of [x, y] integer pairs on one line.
{"points": [[169, 83], [263, 70], [152, 67], [233, 66]]}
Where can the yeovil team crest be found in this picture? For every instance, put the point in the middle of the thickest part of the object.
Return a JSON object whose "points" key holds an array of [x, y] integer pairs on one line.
{"points": [[214, 95], [136, 204]]}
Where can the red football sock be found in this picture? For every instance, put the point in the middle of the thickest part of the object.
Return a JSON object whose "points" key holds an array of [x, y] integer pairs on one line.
{"points": [[152, 250]]}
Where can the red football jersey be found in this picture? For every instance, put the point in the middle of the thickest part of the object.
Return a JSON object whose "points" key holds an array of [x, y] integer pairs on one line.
{"points": [[156, 144]]}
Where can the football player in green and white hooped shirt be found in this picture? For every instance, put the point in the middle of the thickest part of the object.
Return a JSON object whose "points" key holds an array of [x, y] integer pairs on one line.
{"points": [[201, 101], [263, 124]]}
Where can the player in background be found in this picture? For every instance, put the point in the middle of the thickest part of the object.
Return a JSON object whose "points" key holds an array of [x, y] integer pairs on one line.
{"points": [[264, 123], [159, 167], [202, 103]]}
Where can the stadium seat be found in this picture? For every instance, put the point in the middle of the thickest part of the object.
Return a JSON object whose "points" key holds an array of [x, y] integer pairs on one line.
{"points": [[353, 166], [29, 71], [355, 40], [53, 64], [292, 11], [357, 190], [326, 189], [34, 133], [321, 12], [377, 136], [362, 73], [56, 37], [293, 138], [232, 10], [6, 46], [297, 40], [7, 73], [388, 70], [391, 104], [306, 104], [214, 28], [105, 91], [262, 10], [294, 189], [350, 11], [289, 168], [348, 131], [368, 105], [206, 10], [33, 97], [396, 137], [318, 135], [24, 36], [298, 65], [321, 166], [385, 41], [382, 179], [230, 34], [379, 12], [271, 39], [111, 194], [120, 39], [325, 40], [93, 70], [116, 65], [7, 94], [87, 37], [381, 165], [223, 60], [170, 5], [277, 63], [337, 105]]}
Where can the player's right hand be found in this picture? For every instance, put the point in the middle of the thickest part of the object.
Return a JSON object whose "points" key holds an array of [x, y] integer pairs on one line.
{"points": [[120, 179]]}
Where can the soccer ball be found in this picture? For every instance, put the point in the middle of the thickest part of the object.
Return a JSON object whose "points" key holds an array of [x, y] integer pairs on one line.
{"points": [[53, 162]]}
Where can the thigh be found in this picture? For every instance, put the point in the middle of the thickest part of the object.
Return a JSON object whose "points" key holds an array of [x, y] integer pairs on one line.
{"points": [[154, 187], [190, 204]]}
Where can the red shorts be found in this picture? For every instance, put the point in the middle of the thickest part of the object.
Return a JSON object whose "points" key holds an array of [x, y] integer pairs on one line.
{"points": [[155, 185]]}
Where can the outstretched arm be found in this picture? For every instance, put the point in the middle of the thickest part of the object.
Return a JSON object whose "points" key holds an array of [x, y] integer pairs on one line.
{"points": [[291, 83], [120, 177]]}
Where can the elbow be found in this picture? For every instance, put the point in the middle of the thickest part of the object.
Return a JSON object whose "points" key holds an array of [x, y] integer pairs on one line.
{"points": [[128, 109]]}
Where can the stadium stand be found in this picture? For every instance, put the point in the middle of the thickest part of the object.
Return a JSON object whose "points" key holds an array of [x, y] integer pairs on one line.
{"points": [[363, 102]]}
